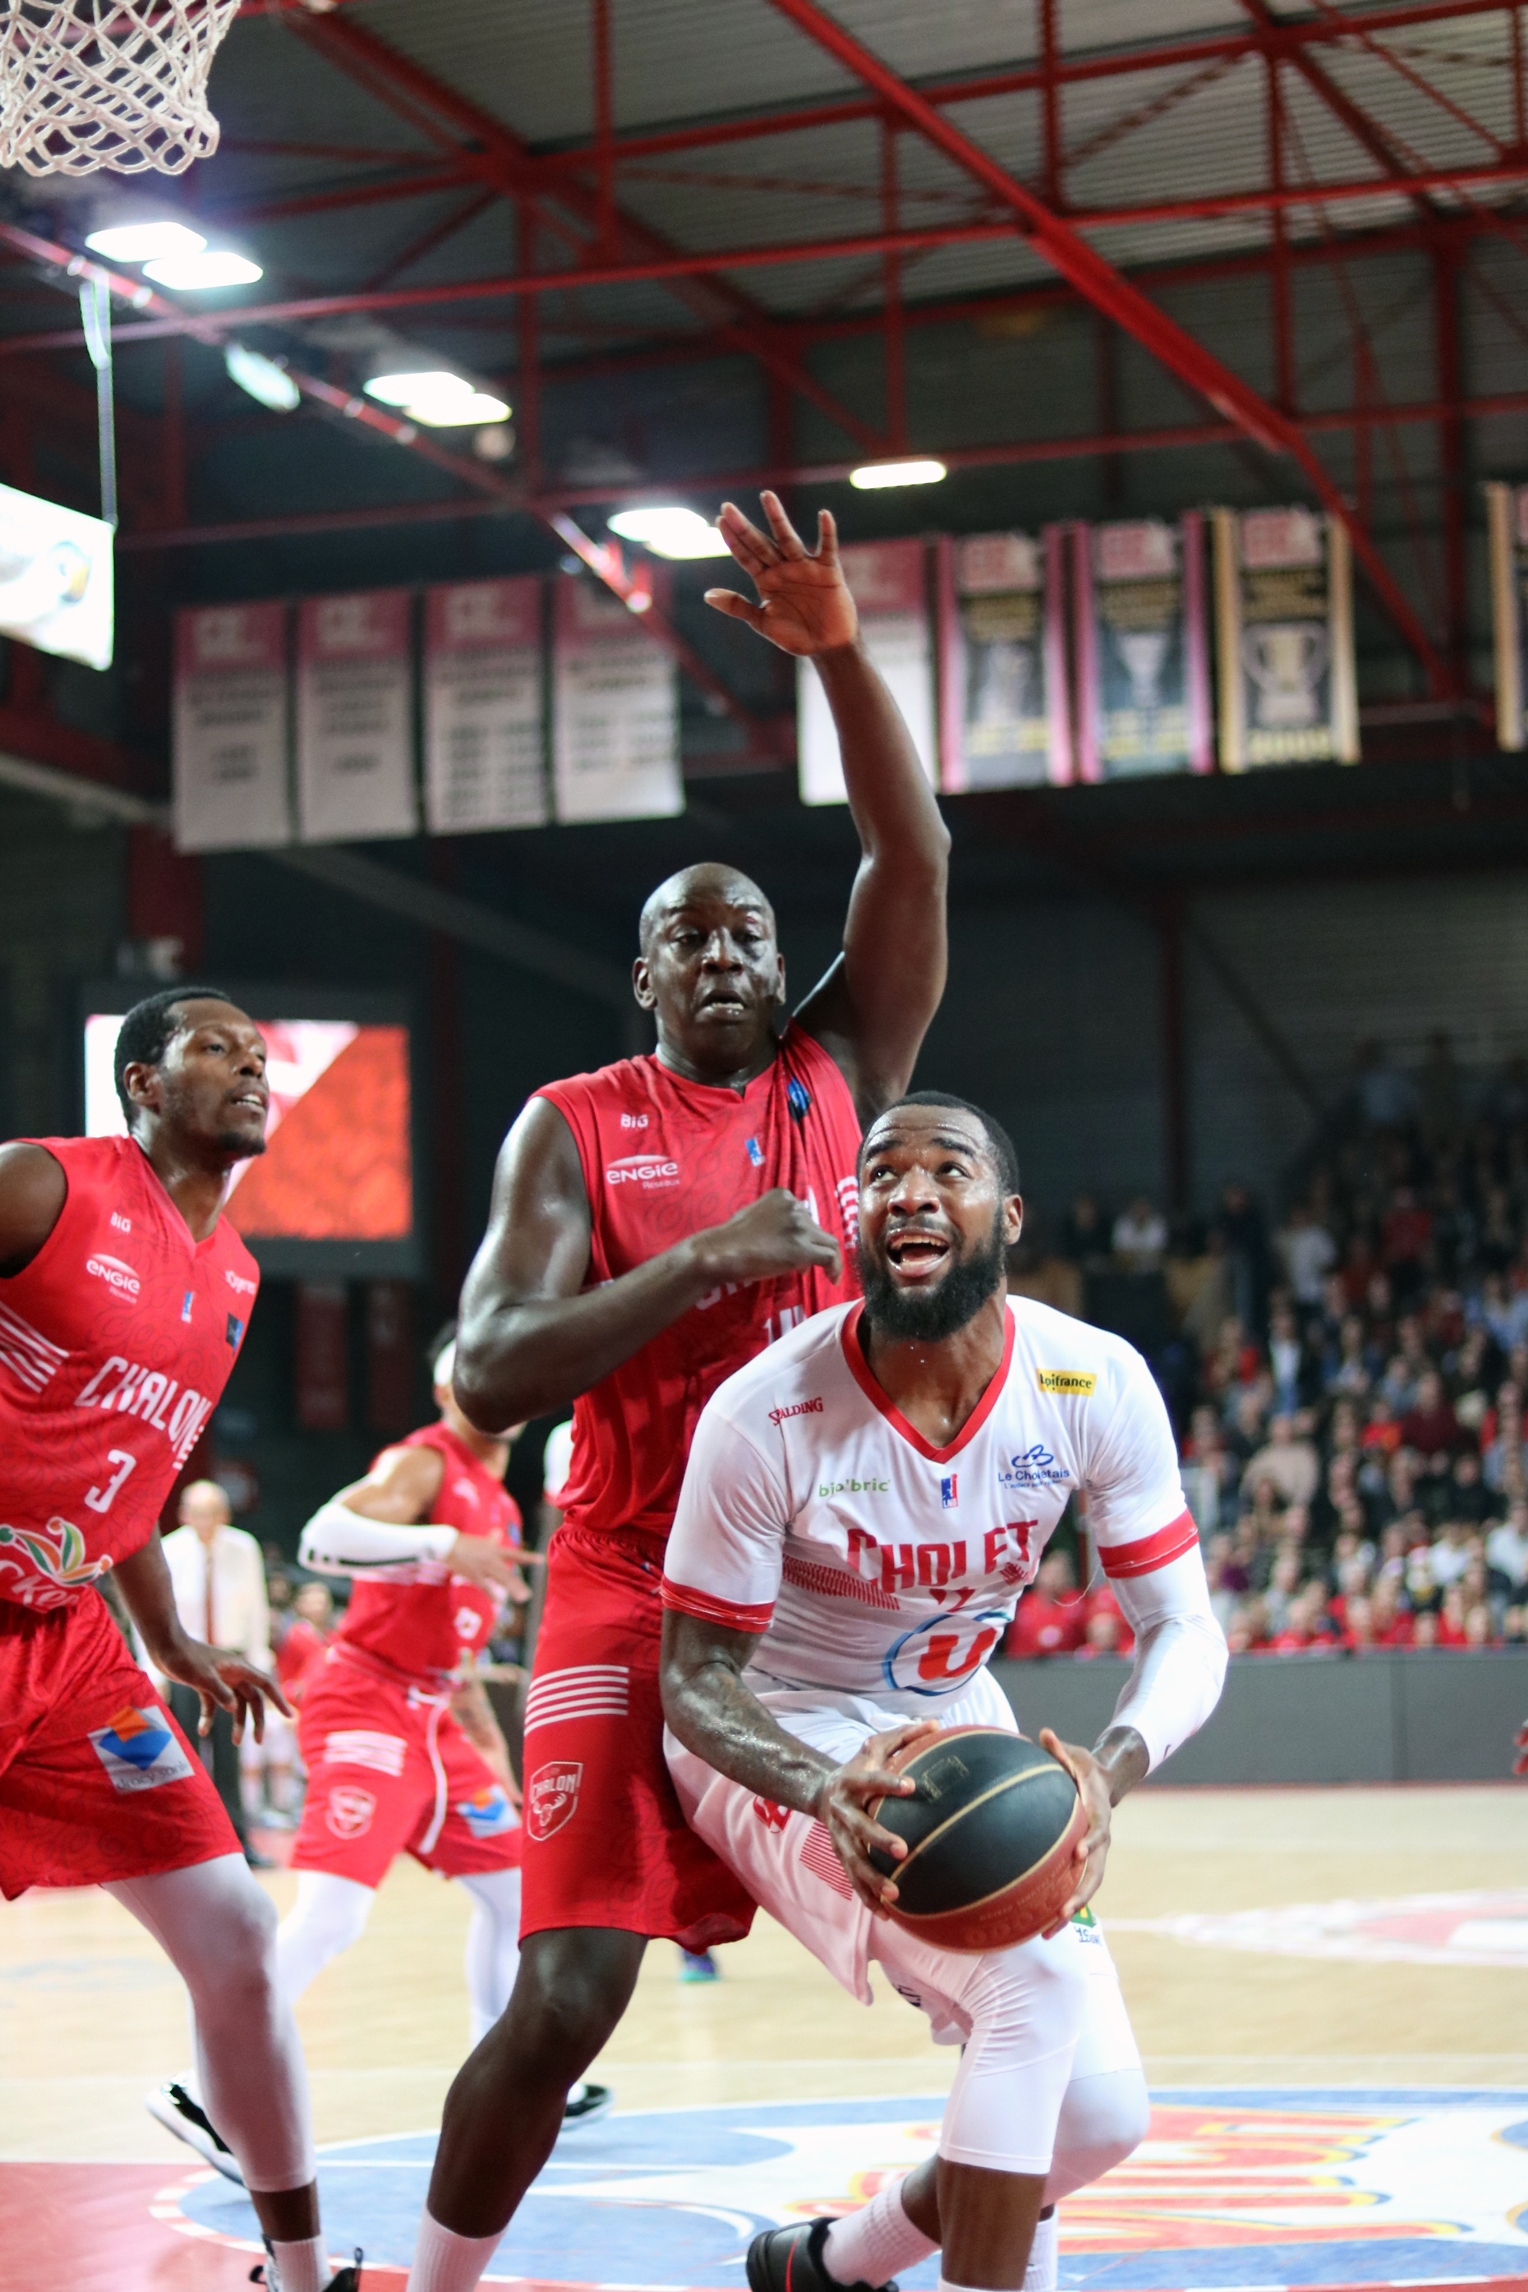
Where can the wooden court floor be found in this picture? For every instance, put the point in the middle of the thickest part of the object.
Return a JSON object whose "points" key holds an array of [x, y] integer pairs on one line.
{"points": [[91, 2016]]}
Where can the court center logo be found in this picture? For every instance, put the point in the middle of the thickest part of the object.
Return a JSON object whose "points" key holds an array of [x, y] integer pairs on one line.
{"points": [[551, 1796]]}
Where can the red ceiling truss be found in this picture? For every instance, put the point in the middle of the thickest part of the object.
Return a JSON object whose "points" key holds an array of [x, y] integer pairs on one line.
{"points": [[575, 233]]}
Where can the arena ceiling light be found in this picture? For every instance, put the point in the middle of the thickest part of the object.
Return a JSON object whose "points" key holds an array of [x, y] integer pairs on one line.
{"points": [[145, 242], [670, 530], [440, 399], [194, 272], [262, 378], [873, 475]]}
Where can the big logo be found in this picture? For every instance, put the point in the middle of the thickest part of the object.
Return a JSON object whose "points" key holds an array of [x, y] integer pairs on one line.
{"points": [[551, 1795], [943, 1652]]}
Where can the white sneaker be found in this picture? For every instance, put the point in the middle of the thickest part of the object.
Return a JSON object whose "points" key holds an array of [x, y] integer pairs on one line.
{"points": [[174, 2108], [584, 2104]]}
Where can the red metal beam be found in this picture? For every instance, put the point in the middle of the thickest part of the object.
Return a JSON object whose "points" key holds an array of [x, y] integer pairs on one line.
{"points": [[1283, 311], [891, 297], [1451, 465], [1110, 291]]}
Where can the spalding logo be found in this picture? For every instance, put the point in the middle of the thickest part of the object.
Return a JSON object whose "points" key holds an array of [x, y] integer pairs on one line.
{"points": [[551, 1794], [114, 1273], [349, 1811]]}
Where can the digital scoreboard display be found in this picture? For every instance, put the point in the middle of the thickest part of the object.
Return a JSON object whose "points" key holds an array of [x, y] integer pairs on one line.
{"points": [[334, 1190]]}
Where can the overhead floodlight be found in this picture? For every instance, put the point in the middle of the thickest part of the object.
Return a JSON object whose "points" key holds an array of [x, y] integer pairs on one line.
{"points": [[874, 475], [451, 411], [403, 389], [144, 242], [193, 273], [262, 378], [670, 531]]}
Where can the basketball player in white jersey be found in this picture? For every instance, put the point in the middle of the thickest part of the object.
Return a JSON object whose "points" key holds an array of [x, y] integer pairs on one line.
{"points": [[863, 1506]]}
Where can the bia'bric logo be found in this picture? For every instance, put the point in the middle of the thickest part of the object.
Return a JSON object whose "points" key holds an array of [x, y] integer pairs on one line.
{"points": [[114, 1273]]}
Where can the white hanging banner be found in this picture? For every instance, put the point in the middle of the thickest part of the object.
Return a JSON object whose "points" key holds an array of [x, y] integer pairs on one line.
{"points": [[615, 748], [1143, 671], [355, 732], [889, 583], [1284, 638], [1507, 519], [1002, 666], [483, 706], [230, 737]]}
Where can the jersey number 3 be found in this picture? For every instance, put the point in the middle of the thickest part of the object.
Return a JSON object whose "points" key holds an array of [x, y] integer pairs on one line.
{"points": [[102, 1499]]}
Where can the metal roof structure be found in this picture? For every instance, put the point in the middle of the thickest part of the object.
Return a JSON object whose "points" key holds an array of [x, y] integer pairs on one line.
{"points": [[1094, 254]]}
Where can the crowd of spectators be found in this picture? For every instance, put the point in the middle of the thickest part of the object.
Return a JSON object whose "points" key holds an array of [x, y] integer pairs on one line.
{"points": [[1349, 1387]]}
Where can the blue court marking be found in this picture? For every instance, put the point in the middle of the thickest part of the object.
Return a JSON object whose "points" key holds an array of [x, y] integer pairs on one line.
{"points": [[670, 2198]]}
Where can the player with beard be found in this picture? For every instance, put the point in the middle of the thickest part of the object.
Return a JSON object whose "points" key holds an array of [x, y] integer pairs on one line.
{"points": [[124, 1298], [863, 1505]]}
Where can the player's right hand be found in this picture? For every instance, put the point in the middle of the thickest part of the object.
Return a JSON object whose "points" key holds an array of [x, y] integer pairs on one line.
{"points": [[875, 1772], [484, 1562], [224, 1681], [775, 1234]]}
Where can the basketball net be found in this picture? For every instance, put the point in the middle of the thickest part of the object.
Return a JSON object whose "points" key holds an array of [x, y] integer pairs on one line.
{"points": [[87, 84]]}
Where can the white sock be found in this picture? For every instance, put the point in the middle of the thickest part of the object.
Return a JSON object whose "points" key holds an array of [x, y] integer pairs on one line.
{"points": [[300, 2267], [874, 2244], [1040, 2275], [446, 2262]]}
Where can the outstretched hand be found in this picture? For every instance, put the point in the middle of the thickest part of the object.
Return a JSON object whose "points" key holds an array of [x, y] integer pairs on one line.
{"points": [[224, 1681], [804, 604]]}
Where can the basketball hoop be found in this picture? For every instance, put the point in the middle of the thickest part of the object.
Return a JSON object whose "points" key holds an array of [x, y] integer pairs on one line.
{"points": [[120, 84]]}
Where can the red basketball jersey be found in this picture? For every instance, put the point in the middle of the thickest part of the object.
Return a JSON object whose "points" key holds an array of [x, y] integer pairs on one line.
{"points": [[662, 1158], [115, 1345], [423, 1624]]}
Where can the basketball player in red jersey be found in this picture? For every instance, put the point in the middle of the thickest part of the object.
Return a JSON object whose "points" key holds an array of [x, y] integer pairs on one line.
{"points": [[654, 1226], [124, 1298], [430, 1536]]}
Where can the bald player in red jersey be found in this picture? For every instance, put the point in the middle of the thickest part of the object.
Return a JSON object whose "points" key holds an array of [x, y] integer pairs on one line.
{"points": [[653, 1227], [124, 1298]]}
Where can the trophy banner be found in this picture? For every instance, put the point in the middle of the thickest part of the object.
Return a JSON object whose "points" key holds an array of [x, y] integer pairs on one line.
{"points": [[229, 748], [615, 747], [1004, 716], [1143, 681], [1507, 522], [484, 706], [888, 580], [355, 717], [1284, 638]]}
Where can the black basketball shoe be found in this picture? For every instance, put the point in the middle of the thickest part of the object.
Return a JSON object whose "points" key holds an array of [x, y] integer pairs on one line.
{"points": [[346, 2279], [790, 2260], [189, 2122], [584, 2103]]}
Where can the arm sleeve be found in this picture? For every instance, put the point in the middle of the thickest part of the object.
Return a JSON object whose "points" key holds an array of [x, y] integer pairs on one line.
{"points": [[1138, 1515], [1180, 1654], [724, 1556], [339, 1542]]}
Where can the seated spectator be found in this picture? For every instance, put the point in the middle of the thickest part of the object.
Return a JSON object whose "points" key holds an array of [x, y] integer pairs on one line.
{"points": [[1229, 1580], [1083, 1236], [1424, 1628], [1451, 1619], [1450, 1554], [1289, 1463], [1230, 1370], [1308, 1253], [1210, 1474], [1387, 1099], [1352, 1575], [1247, 1629], [1430, 1425], [1505, 1458], [1283, 1588], [1479, 1631], [1391, 1624], [1259, 1527], [1357, 1628], [1507, 1547], [1405, 1240], [1140, 1236], [1351, 1371], [1296, 1374], [1050, 1619], [1381, 1434], [1469, 1497]]}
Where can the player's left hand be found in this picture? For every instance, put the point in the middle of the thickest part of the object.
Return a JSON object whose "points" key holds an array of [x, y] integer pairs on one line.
{"points": [[1093, 1848], [225, 1682], [804, 603]]}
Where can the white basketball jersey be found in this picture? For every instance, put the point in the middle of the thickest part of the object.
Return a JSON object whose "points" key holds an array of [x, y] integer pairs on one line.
{"points": [[873, 1562]]}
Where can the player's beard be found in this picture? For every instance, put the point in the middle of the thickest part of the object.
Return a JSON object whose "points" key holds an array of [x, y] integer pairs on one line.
{"points": [[931, 1315], [240, 1149]]}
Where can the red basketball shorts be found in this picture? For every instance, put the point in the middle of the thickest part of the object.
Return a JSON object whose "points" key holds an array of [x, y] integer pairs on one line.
{"points": [[96, 1780], [391, 1772], [606, 1843]]}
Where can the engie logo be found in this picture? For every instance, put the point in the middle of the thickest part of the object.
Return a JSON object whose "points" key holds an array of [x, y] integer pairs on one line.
{"points": [[551, 1796], [812, 1408], [646, 1170], [114, 1273]]}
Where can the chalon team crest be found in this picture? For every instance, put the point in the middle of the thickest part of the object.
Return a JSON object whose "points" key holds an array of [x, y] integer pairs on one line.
{"points": [[1264, 2189]]}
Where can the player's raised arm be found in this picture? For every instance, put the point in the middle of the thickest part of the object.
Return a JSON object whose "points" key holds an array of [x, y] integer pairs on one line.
{"points": [[32, 1194], [532, 1337], [383, 1523], [873, 1007]]}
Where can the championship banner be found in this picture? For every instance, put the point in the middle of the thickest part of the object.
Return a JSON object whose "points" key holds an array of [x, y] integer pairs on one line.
{"points": [[230, 728], [887, 579], [1143, 670], [1507, 519], [483, 707], [615, 747], [355, 732], [1004, 721], [1284, 638]]}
